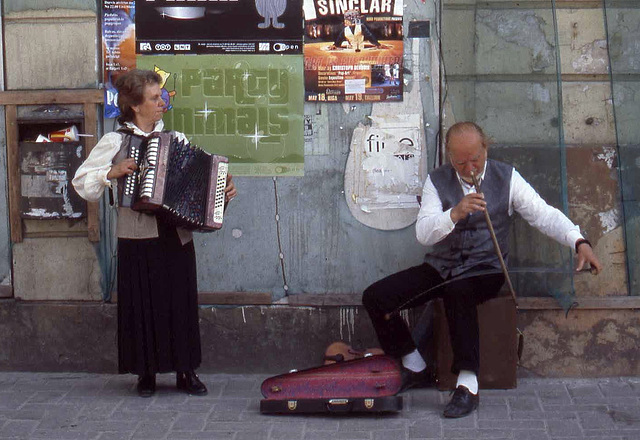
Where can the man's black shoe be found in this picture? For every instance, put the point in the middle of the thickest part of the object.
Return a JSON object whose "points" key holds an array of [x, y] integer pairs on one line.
{"points": [[462, 403], [422, 379], [190, 383], [146, 385]]}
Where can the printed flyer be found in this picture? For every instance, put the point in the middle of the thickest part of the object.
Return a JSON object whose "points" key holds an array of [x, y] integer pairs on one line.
{"points": [[249, 109], [219, 27], [353, 50], [118, 42]]}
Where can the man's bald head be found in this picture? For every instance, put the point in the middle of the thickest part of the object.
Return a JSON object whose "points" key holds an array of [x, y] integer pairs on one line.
{"points": [[467, 147], [466, 127]]}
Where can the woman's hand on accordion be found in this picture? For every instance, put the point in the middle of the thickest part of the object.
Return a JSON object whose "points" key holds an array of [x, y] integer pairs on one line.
{"points": [[124, 168], [230, 190]]}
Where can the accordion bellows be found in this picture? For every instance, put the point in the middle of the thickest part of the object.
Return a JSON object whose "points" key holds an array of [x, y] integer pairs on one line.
{"points": [[178, 181]]}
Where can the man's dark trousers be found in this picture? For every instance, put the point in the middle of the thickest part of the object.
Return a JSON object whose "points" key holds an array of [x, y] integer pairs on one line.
{"points": [[461, 298]]}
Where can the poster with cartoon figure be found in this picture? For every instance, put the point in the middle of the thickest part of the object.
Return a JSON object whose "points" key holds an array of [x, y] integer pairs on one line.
{"points": [[118, 44], [249, 109], [353, 53], [218, 27]]}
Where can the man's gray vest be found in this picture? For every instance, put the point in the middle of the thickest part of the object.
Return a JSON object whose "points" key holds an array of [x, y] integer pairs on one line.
{"points": [[470, 244]]}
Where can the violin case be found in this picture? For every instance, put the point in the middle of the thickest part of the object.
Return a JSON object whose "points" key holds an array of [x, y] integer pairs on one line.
{"points": [[365, 385]]}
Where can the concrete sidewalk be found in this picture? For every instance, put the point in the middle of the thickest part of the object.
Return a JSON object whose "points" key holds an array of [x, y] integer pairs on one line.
{"points": [[106, 407]]}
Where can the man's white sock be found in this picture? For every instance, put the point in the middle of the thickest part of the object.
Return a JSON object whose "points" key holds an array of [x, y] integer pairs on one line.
{"points": [[413, 361], [469, 380]]}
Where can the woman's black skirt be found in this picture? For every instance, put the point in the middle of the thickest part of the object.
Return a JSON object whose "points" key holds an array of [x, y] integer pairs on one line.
{"points": [[158, 328]]}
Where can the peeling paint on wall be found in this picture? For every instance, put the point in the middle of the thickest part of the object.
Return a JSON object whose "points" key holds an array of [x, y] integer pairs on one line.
{"points": [[593, 58], [541, 93], [523, 28], [609, 219], [347, 318], [608, 155]]}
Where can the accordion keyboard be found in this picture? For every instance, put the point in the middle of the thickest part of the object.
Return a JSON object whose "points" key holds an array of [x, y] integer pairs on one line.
{"points": [[148, 173], [131, 180], [221, 184]]}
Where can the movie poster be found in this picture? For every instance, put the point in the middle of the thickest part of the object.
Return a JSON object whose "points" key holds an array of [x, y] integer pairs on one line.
{"points": [[353, 50], [118, 42], [218, 26], [247, 108]]}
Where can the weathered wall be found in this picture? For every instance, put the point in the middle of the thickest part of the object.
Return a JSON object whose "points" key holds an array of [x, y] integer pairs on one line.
{"points": [[623, 24], [48, 47], [586, 343], [539, 83], [275, 339], [296, 236]]}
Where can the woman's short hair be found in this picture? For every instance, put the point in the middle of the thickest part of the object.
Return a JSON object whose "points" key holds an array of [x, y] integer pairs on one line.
{"points": [[465, 127], [130, 88]]}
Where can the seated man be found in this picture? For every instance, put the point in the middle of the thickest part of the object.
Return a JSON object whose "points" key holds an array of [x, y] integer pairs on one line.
{"points": [[355, 33], [451, 222]]}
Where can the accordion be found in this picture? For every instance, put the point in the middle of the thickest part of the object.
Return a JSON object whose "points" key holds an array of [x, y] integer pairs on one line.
{"points": [[176, 180]]}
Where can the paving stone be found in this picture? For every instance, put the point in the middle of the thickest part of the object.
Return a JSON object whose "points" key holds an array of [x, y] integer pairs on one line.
{"points": [[585, 390], [372, 424], [113, 436], [64, 434], [354, 435], [321, 424], [422, 429], [152, 429], [617, 388], [493, 412], [394, 434], [189, 422], [18, 428], [286, 431], [190, 435], [535, 434], [543, 415], [515, 425], [106, 407], [564, 428], [595, 420], [526, 403]]}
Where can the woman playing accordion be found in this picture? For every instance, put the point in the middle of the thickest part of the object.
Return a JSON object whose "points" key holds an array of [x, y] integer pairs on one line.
{"points": [[158, 328]]}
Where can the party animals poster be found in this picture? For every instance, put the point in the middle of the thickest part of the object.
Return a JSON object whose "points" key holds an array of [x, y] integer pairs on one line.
{"points": [[353, 50], [248, 108], [218, 27]]}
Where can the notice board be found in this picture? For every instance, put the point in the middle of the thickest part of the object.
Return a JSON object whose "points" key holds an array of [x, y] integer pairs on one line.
{"points": [[46, 171]]}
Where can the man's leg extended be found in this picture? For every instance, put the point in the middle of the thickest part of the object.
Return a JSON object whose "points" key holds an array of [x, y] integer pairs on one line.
{"points": [[386, 296]]}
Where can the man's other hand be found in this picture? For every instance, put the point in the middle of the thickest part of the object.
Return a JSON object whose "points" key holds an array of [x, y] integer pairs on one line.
{"points": [[586, 255]]}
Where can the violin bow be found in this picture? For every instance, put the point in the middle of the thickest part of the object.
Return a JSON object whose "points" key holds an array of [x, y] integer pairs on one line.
{"points": [[496, 246]]}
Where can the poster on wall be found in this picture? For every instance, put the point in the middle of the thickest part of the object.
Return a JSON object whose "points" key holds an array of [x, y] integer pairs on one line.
{"points": [[249, 109], [118, 47], [217, 27], [353, 50]]}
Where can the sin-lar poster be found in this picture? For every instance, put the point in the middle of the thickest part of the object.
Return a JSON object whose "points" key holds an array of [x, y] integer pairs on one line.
{"points": [[353, 50]]}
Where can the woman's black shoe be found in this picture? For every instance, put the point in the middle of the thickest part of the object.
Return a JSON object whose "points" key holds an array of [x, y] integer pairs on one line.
{"points": [[190, 383], [146, 385]]}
